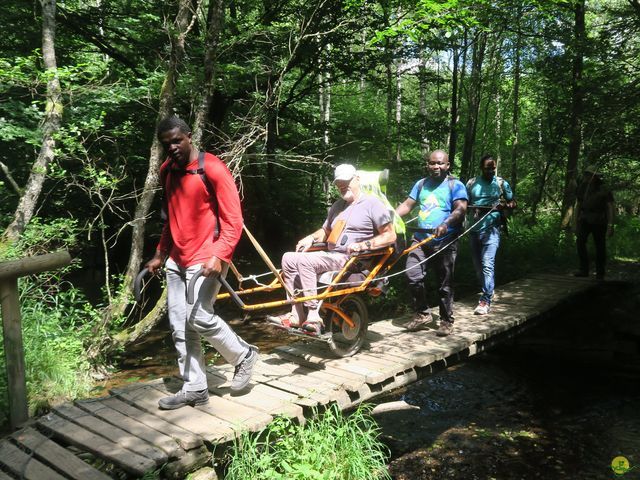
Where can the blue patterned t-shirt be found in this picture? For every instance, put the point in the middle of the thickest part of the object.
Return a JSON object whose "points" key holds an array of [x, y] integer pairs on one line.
{"points": [[435, 200]]}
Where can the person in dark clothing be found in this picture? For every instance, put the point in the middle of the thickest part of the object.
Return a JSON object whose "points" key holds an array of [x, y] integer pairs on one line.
{"points": [[442, 203], [594, 215]]}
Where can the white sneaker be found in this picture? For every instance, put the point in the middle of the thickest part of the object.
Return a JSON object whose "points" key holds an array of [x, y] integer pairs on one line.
{"points": [[482, 308]]}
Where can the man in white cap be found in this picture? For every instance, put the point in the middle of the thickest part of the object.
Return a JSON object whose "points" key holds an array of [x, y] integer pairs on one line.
{"points": [[594, 214], [355, 223]]}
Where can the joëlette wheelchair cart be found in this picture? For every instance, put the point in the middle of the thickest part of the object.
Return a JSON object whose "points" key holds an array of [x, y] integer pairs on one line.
{"points": [[341, 294]]}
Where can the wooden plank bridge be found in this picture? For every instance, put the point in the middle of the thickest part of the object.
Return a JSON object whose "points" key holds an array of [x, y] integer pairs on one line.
{"points": [[126, 433]]}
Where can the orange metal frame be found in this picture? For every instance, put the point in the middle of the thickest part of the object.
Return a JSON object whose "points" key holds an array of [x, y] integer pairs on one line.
{"points": [[332, 290]]}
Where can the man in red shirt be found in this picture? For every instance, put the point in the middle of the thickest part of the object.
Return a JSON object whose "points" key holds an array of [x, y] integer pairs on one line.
{"points": [[204, 225]]}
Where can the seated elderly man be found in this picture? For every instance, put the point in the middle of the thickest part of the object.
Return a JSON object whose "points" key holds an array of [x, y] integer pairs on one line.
{"points": [[355, 223]]}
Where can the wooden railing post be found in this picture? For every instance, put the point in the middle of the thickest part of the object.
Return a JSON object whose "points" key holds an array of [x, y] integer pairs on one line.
{"points": [[10, 271]]}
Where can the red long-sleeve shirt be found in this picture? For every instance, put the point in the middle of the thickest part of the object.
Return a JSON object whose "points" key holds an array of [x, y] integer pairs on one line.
{"points": [[187, 236]]}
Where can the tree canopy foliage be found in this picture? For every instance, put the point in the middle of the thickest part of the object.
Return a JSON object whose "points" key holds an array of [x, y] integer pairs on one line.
{"points": [[283, 90]]}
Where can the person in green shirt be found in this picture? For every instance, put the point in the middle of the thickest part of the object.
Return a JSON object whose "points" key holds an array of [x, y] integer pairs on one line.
{"points": [[489, 195]]}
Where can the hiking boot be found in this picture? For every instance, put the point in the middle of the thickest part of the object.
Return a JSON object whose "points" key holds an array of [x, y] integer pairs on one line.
{"points": [[446, 328], [420, 321], [482, 308], [244, 369], [182, 399]]}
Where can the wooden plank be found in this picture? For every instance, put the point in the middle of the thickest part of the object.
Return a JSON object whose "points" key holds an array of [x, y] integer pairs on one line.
{"points": [[131, 425], [320, 363], [45, 449], [291, 377], [185, 439], [261, 397], [419, 358], [4, 476], [587, 282], [374, 369], [115, 434], [145, 397], [275, 372], [313, 372], [222, 376], [303, 395], [390, 326], [34, 264], [13, 352], [241, 417], [24, 465], [350, 382], [97, 445], [371, 375]]}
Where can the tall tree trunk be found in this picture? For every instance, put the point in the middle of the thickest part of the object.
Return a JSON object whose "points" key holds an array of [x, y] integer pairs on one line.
{"points": [[50, 126], [389, 110], [515, 121], [165, 108], [216, 22], [388, 68], [473, 103], [453, 121], [546, 156], [457, 80], [363, 42], [498, 152], [422, 81], [493, 91], [324, 99], [398, 113], [575, 128]]}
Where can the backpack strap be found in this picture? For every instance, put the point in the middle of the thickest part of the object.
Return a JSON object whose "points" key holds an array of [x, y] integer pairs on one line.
{"points": [[471, 183], [211, 191], [501, 186], [450, 180], [213, 199], [336, 212]]}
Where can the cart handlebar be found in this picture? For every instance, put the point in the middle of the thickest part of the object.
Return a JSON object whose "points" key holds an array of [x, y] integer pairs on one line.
{"points": [[137, 284], [192, 286]]}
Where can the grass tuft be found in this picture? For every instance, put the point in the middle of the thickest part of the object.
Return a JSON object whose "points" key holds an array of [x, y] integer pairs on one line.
{"points": [[328, 446]]}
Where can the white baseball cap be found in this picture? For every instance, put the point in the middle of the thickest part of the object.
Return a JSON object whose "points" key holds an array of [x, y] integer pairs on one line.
{"points": [[344, 172]]}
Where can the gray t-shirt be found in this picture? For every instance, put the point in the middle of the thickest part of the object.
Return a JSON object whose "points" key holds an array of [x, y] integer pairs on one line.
{"points": [[362, 220]]}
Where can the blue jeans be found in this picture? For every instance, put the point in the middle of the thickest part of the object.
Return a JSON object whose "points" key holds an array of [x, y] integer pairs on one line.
{"points": [[484, 246]]}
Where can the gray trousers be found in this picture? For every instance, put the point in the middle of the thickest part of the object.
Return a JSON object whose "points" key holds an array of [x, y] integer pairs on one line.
{"points": [[190, 322]]}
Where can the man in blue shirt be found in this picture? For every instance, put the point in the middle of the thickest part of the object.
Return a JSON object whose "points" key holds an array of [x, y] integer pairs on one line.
{"points": [[488, 196], [443, 202]]}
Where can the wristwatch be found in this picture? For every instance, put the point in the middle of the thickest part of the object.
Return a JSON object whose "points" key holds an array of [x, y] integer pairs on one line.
{"points": [[368, 244]]}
